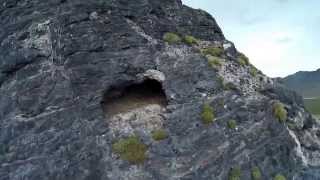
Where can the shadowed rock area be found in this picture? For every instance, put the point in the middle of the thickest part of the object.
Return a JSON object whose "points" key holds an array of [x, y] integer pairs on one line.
{"points": [[60, 59], [121, 100]]}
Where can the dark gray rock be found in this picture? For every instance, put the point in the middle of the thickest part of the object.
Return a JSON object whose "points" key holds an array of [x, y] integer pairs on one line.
{"points": [[58, 58]]}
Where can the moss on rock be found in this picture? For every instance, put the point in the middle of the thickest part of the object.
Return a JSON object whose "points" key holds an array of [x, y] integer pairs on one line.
{"points": [[207, 114], [131, 149]]}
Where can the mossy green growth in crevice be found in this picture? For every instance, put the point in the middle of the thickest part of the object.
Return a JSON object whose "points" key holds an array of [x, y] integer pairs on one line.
{"points": [[243, 60], [253, 71], [279, 177], [230, 86], [159, 135], [280, 112], [131, 149], [214, 62], [235, 173], [207, 114], [190, 40], [256, 173], [232, 124], [213, 51], [172, 38]]}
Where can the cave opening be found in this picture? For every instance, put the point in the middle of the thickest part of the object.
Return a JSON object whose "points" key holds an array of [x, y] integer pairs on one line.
{"points": [[126, 98]]}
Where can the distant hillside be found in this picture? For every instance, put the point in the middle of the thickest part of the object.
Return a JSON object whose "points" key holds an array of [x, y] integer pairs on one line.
{"points": [[306, 83]]}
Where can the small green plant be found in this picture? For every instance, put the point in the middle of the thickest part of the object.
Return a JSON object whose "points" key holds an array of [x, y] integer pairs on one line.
{"points": [[171, 38], [232, 124], [243, 60], [213, 51], [131, 149], [279, 177], [230, 86], [235, 173], [190, 40], [253, 71], [159, 135], [256, 174], [207, 114], [280, 112], [214, 62]]}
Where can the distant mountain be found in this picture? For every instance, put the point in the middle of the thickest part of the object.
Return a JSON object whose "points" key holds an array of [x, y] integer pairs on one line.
{"points": [[304, 82]]}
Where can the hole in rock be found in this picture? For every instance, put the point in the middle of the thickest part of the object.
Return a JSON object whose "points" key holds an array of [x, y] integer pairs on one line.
{"points": [[126, 98]]}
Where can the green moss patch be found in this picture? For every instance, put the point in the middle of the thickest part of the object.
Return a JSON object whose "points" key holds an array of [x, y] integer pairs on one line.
{"points": [[256, 174], [214, 62], [171, 38], [207, 114], [235, 173], [279, 177], [229, 86], [253, 71], [232, 124], [243, 60], [280, 112], [213, 51], [131, 149], [159, 135], [190, 40]]}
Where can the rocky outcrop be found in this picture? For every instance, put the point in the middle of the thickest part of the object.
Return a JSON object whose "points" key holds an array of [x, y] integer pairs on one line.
{"points": [[59, 58]]}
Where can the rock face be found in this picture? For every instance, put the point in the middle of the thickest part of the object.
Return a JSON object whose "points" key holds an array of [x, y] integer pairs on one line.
{"points": [[60, 58]]}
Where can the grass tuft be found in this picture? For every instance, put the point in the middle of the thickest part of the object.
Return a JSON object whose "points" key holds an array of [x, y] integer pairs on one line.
{"points": [[214, 62], [159, 135], [280, 112], [232, 124], [243, 60], [207, 114], [213, 51], [256, 174], [131, 149], [253, 71], [172, 38], [190, 40], [279, 177], [235, 173]]}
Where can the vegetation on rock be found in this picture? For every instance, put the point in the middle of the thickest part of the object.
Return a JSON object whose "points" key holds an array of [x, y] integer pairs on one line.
{"points": [[207, 114], [235, 173], [279, 177], [253, 71], [214, 62], [230, 86], [232, 124], [279, 111], [190, 40], [171, 38], [159, 135], [243, 60], [213, 51], [131, 149], [256, 174]]}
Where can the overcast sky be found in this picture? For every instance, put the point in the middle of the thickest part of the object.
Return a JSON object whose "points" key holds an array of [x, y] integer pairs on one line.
{"points": [[280, 37]]}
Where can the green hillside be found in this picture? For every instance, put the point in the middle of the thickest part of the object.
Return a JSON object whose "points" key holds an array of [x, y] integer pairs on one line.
{"points": [[305, 83], [313, 105]]}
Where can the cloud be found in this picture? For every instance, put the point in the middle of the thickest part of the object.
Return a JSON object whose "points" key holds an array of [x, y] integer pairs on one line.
{"points": [[284, 40], [279, 36], [282, 1]]}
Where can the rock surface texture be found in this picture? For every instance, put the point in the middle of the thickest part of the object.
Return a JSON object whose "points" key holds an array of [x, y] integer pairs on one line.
{"points": [[59, 58]]}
